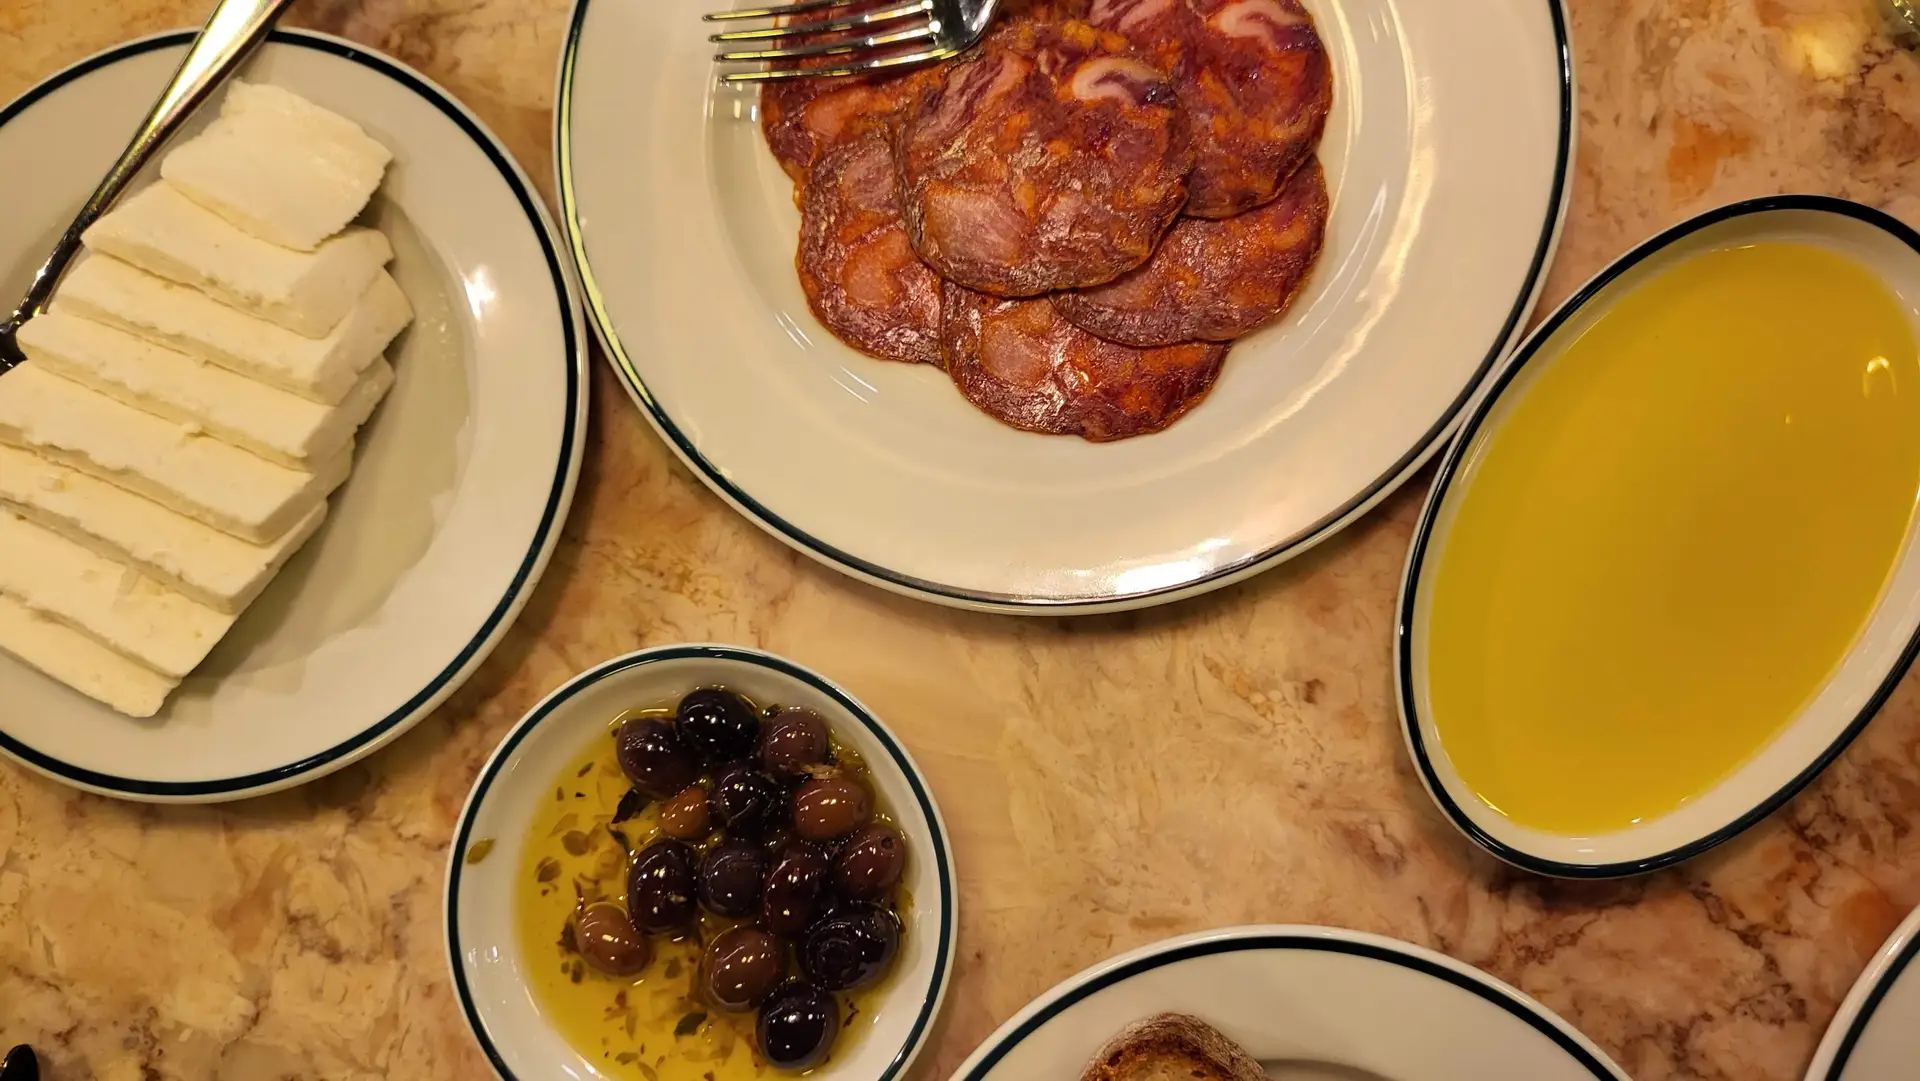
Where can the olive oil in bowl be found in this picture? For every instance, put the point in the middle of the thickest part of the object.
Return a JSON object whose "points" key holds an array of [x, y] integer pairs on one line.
{"points": [[1664, 543]]}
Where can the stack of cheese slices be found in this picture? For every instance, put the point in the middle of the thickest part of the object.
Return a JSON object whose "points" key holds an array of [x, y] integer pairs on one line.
{"points": [[191, 397]]}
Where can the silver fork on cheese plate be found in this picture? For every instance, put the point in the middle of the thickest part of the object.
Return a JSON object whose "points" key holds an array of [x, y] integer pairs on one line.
{"points": [[232, 32], [822, 38]]}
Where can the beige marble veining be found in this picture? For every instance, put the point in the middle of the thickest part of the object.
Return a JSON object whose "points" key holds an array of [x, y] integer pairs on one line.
{"points": [[1109, 781]]}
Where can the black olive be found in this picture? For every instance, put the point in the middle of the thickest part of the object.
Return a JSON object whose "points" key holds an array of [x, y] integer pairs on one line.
{"points": [[653, 757], [852, 948], [830, 807], [732, 875], [660, 887], [747, 803], [793, 888], [717, 724], [609, 941], [685, 816], [795, 740], [869, 863], [797, 1026], [744, 966]]}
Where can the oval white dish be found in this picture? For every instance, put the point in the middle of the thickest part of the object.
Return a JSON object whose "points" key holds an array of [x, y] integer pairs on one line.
{"points": [[1874, 1036], [1309, 1003], [461, 481], [1447, 154], [1825, 726], [482, 943]]}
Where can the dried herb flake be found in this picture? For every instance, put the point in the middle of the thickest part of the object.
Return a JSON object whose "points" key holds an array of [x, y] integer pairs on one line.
{"points": [[631, 805], [690, 1024], [479, 850]]}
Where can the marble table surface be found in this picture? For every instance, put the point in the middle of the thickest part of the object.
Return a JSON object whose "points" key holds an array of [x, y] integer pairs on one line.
{"points": [[1109, 781]]}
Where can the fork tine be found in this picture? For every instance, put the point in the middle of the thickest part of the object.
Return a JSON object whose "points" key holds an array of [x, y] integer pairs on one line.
{"points": [[828, 26], [849, 46], [855, 67], [777, 11]]}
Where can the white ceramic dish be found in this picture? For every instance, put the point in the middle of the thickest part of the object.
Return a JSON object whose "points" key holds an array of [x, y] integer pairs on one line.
{"points": [[1837, 713], [1876, 1034], [1448, 158], [481, 940], [462, 480], [1311, 1003]]}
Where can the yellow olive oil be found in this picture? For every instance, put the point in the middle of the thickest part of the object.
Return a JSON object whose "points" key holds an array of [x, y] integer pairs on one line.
{"points": [[1673, 535]]}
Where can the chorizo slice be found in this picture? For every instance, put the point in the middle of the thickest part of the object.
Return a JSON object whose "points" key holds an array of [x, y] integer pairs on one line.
{"points": [[1047, 159], [861, 276], [802, 117], [1020, 362], [1252, 75], [1213, 280]]}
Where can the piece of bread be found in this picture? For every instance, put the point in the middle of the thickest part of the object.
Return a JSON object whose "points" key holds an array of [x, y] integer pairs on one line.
{"points": [[1172, 1047]]}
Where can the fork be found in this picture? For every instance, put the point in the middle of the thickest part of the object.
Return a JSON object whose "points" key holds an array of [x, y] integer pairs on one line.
{"points": [[900, 33], [231, 33]]}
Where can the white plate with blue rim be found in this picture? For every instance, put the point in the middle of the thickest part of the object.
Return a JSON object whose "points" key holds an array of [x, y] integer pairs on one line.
{"points": [[462, 480], [1448, 157], [1309, 1003], [1842, 705], [519, 1034], [1876, 1034]]}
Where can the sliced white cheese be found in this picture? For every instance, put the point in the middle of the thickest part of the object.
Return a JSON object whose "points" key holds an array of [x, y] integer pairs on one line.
{"points": [[163, 232], [110, 602], [80, 662], [278, 166], [280, 427], [214, 482], [324, 369], [220, 571]]}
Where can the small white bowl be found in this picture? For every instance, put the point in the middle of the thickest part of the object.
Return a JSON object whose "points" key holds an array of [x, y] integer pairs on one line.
{"points": [[488, 970], [1843, 705]]}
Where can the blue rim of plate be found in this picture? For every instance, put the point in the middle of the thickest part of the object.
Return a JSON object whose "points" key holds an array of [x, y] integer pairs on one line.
{"points": [[1449, 472], [942, 859], [413, 709], [1485, 988], [717, 479], [1864, 1015]]}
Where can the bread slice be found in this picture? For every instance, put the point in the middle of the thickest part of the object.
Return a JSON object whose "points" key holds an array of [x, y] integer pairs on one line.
{"points": [[1172, 1047]]}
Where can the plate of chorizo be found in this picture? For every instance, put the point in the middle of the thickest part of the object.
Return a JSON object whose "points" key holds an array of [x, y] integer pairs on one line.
{"points": [[1132, 300]]}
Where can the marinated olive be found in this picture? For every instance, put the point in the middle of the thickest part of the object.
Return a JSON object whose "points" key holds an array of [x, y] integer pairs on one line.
{"points": [[684, 817], [747, 803], [653, 757], [717, 724], [869, 863], [732, 875], [797, 1026], [794, 740], [660, 887], [852, 948], [829, 807], [793, 888], [608, 941], [743, 967]]}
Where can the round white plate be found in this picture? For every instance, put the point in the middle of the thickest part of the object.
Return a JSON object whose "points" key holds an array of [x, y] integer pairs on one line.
{"points": [[1447, 153], [1876, 1034], [1844, 705], [488, 968], [1311, 1003], [462, 478]]}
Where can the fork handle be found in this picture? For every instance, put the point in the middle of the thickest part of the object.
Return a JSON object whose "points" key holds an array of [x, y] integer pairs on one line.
{"points": [[231, 33]]}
